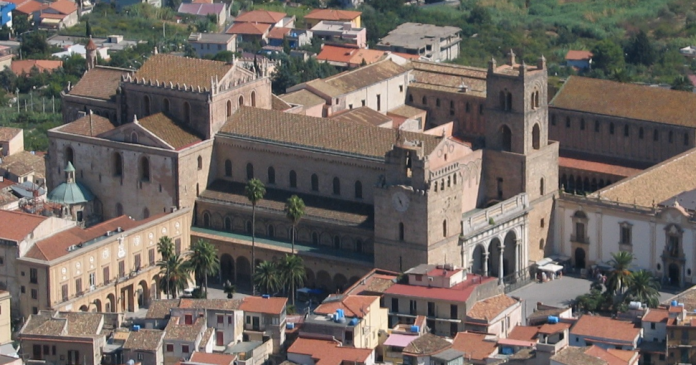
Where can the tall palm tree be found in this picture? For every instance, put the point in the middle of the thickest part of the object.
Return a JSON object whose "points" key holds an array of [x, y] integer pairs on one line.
{"points": [[620, 276], [165, 246], [294, 211], [254, 190], [267, 277], [175, 273], [204, 261], [293, 272], [644, 288]]}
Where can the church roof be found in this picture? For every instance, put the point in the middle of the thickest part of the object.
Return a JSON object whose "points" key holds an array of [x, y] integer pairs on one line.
{"points": [[630, 101], [99, 83], [70, 192], [182, 70], [326, 135], [90, 125], [169, 131]]}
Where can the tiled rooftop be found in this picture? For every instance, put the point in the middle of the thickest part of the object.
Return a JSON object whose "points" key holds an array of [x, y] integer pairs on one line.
{"points": [[353, 305], [329, 352], [377, 281], [458, 293], [362, 115], [427, 344], [15, 226], [7, 133], [303, 97], [90, 125], [212, 359], [332, 14], [474, 345], [576, 356], [177, 330], [171, 132], [192, 72], [161, 308], [20, 67], [25, 162], [260, 16], [220, 304], [272, 305], [606, 328], [145, 340], [490, 308], [352, 80], [99, 83]]}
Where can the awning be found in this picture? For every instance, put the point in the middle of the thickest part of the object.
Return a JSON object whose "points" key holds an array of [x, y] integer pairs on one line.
{"points": [[50, 21], [551, 268], [398, 340], [544, 261]]}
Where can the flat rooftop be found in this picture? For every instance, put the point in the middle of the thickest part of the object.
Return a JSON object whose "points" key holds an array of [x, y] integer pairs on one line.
{"points": [[416, 35]]}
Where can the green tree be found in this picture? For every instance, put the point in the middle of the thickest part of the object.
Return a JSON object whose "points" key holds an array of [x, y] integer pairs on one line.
{"points": [[293, 273], [479, 16], [254, 190], [607, 56], [267, 277], [34, 45], [224, 56], [640, 51], [229, 289], [294, 211], [204, 261], [165, 247], [20, 24], [620, 276], [682, 83], [644, 287], [175, 274]]}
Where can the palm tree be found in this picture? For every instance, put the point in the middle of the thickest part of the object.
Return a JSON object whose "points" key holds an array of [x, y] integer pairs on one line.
{"points": [[644, 288], [204, 261], [294, 210], [254, 190], [175, 273], [620, 276], [165, 246], [293, 273], [267, 277]]}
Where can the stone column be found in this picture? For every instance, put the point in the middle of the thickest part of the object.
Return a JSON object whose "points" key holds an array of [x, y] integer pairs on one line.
{"points": [[518, 260], [485, 263], [500, 263]]}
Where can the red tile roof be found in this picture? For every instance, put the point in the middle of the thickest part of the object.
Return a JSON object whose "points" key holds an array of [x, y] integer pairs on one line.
{"points": [[15, 226], [553, 328], [332, 14], [474, 345], [353, 56], [329, 352], [611, 358], [279, 32], [524, 333], [99, 83], [458, 293], [606, 328], [192, 72], [64, 7], [260, 16], [492, 307], [271, 305], [656, 315], [214, 359], [27, 6], [594, 166], [7, 133], [20, 67], [90, 125], [578, 55], [353, 305], [375, 281], [249, 28]]}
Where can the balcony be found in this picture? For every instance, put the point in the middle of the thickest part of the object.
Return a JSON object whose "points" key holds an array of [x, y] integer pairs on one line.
{"points": [[580, 239]]}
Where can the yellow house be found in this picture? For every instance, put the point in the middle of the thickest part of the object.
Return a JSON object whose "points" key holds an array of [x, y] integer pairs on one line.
{"points": [[5, 318], [317, 15], [109, 267]]}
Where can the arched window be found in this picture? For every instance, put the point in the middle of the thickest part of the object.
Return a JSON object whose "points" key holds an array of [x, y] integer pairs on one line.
{"points": [[468, 107], [444, 228], [640, 133], [293, 179], [505, 138], [502, 100], [206, 220], [271, 175], [508, 102], [134, 137], [146, 106], [200, 163], [119, 209], [582, 124], [401, 231], [165, 105], [271, 231], [228, 224], [253, 98], [241, 100], [144, 169], [656, 135], [146, 213], [250, 171], [425, 100], [69, 156], [451, 104], [336, 186], [337, 242], [228, 168], [229, 108], [358, 190], [117, 161], [187, 112], [541, 186], [535, 137], [315, 182]]}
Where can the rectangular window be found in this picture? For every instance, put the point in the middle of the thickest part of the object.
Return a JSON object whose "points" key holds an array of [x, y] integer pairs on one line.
{"points": [[229, 319], [34, 276], [453, 311], [45, 350], [184, 349], [22, 289], [64, 291], [34, 294], [625, 235], [431, 309], [349, 336], [137, 262], [580, 232], [395, 305], [2, 260], [379, 102], [36, 352], [401, 88], [362, 102], [582, 124], [78, 286], [596, 126], [92, 280], [151, 257], [220, 318], [53, 350], [170, 347], [652, 325], [121, 269], [500, 188], [107, 277], [413, 307]]}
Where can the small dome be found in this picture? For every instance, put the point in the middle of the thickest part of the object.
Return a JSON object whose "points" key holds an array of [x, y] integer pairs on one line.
{"points": [[90, 45]]}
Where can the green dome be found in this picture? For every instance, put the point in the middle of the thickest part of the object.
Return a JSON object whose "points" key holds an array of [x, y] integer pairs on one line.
{"points": [[70, 193]]}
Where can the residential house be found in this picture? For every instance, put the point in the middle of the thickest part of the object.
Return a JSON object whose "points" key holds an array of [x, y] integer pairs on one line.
{"points": [[204, 10], [681, 335], [63, 338], [109, 267], [158, 313], [434, 43], [8, 200], [542, 312], [605, 332], [478, 348], [347, 57], [277, 35], [299, 38], [121, 4], [311, 104], [182, 337], [393, 347], [424, 350], [210, 359], [309, 351], [26, 8], [11, 141], [59, 14], [22, 67], [17, 164], [340, 32], [256, 352], [222, 315], [653, 347], [581, 60], [594, 355], [497, 315], [318, 15], [250, 32], [264, 317], [6, 9], [444, 294], [354, 320], [80, 50], [272, 18], [212, 43], [144, 346]]}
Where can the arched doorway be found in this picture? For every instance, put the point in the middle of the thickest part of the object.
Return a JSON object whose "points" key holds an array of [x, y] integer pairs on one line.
{"points": [[309, 278], [243, 270], [226, 268], [494, 257], [509, 254], [110, 304], [579, 258], [143, 294], [98, 305], [324, 280], [478, 258], [340, 282], [674, 275]]}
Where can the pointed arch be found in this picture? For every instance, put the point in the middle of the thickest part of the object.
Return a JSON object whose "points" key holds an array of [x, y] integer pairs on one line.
{"points": [[69, 156], [117, 163], [315, 182], [336, 186], [146, 106], [241, 100], [293, 179], [165, 105], [536, 136], [200, 162], [505, 138], [253, 98], [271, 175], [358, 190], [229, 108], [250, 171]]}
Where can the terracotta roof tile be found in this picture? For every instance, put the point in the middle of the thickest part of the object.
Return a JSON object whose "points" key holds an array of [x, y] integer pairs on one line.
{"points": [[28, 7], [7, 133], [173, 133], [64, 7], [25, 162], [627, 101], [332, 14], [609, 357], [220, 304], [90, 125], [272, 305], [319, 133], [249, 28], [624, 355], [82, 324], [524, 333], [279, 104], [303, 97], [161, 309], [490, 308], [351, 56], [202, 9], [260, 16], [99, 83], [192, 72], [553, 328], [427, 344], [364, 76], [212, 359], [576, 356], [457, 293], [377, 281], [43, 324], [184, 332], [15, 226], [656, 315], [20, 67], [329, 352], [604, 327], [353, 305], [595, 166], [449, 78], [279, 32], [474, 345], [364, 115], [578, 55], [144, 339], [406, 111]]}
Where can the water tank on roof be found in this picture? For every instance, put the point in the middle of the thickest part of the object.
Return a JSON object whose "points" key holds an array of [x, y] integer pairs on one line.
{"points": [[265, 296], [553, 319], [130, 362], [415, 328], [635, 305], [136, 327], [674, 303], [681, 304], [289, 325]]}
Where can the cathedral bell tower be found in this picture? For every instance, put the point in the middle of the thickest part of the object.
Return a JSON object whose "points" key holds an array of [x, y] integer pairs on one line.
{"points": [[91, 54]]}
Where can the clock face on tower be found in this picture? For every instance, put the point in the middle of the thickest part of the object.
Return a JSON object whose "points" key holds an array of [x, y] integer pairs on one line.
{"points": [[400, 201]]}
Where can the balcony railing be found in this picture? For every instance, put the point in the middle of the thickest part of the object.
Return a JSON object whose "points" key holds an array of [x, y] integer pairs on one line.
{"points": [[579, 239]]}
